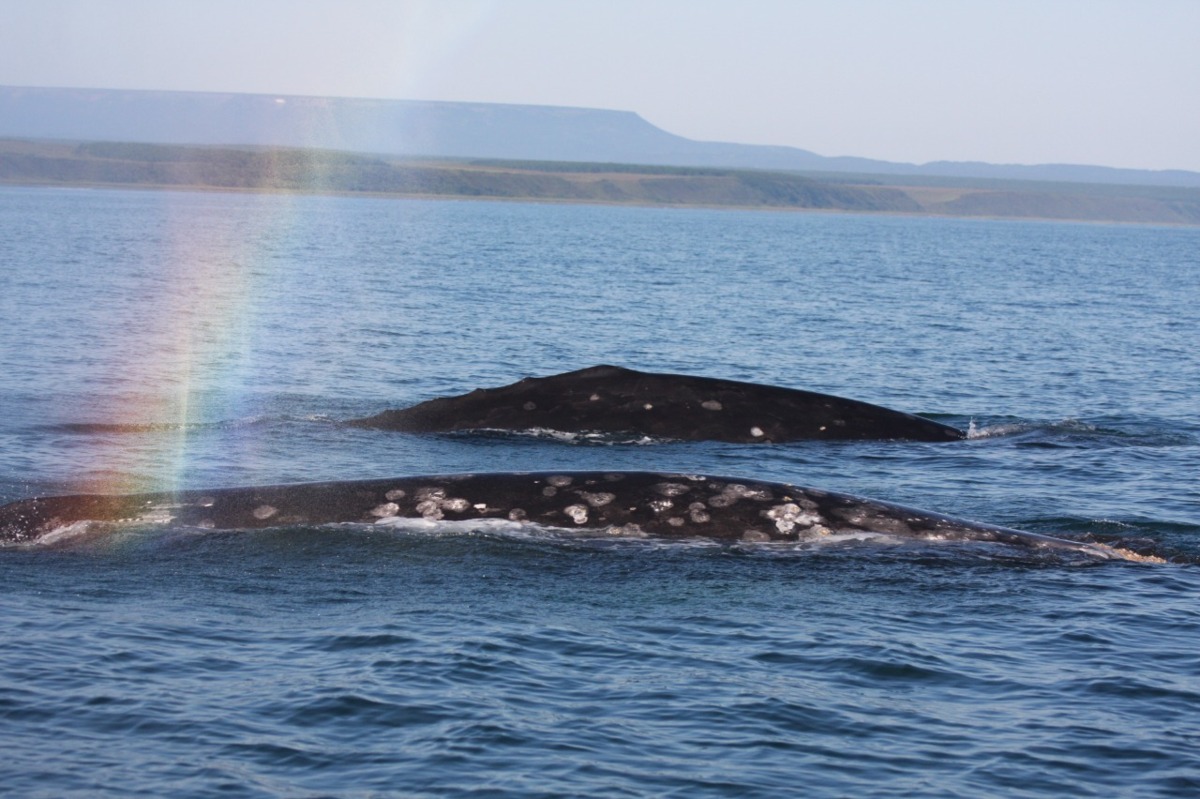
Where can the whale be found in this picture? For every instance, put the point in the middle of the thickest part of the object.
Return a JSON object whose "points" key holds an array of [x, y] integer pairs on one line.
{"points": [[608, 504], [616, 400]]}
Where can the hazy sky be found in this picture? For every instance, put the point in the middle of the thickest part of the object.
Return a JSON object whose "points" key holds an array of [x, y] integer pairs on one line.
{"points": [[1111, 82]]}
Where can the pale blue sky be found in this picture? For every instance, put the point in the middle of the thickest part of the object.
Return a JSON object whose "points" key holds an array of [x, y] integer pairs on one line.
{"points": [[1111, 82]]}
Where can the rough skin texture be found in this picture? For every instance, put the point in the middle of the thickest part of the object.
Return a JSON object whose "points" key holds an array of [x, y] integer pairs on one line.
{"points": [[611, 399]]}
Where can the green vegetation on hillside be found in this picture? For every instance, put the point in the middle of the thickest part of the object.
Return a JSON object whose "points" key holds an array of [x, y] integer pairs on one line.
{"points": [[285, 169], [301, 170]]}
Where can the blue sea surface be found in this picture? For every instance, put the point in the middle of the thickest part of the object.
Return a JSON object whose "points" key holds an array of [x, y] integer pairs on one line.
{"points": [[162, 340]]}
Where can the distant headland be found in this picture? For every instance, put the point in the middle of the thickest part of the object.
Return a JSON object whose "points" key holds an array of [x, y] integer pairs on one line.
{"points": [[408, 148]]}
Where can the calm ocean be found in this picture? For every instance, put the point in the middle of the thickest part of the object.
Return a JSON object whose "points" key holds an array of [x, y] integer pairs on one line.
{"points": [[155, 340]]}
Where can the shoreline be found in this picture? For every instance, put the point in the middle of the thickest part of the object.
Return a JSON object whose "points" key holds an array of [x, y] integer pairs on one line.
{"points": [[330, 173]]}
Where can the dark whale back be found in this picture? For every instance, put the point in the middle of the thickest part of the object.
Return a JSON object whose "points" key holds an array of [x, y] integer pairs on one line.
{"points": [[628, 504], [612, 399]]}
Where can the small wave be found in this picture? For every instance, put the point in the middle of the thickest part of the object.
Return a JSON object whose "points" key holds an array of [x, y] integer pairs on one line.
{"points": [[88, 535], [447, 527], [1148, 541], [533, 532], [125, 428], [320, 418], [595, 437], [70, 533], [94, 428], [1018, 427], [975, 431], [84, 535], [1076, 432], [525, 530], [590, 437]]}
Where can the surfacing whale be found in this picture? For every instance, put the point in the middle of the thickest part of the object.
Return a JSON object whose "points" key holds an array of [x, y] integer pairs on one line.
{"points": [[627, 504], [612, 399]]}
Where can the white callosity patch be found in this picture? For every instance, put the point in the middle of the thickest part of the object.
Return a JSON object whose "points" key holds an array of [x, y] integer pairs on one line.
{"points": [[386, 510], [699, 513], [560, 480], [672, 489], [789, 516], [432, 503], [748, 492], [578, 513], [731, 493], [264, 512], [429, 502], [430, 509], [712, 405], [757, 432], [661, 505], [876, 522], [597, 499], [395, 494]]}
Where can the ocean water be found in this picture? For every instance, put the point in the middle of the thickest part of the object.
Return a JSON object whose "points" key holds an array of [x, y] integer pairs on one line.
{"points": [[160, 340]]}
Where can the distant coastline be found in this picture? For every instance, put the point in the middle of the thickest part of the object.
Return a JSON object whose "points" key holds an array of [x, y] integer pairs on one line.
{"points": [[287, 169], [457, 131]]}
